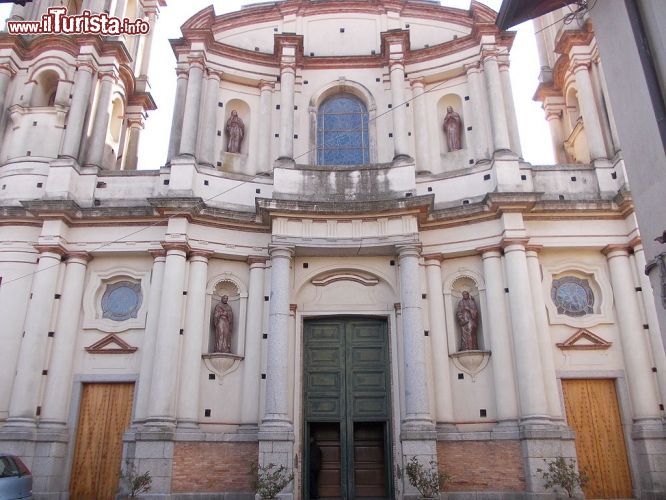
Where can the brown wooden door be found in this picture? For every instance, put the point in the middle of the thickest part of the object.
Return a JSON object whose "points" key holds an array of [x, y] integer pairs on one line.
{"points": [[593, 413], [104, 414]]}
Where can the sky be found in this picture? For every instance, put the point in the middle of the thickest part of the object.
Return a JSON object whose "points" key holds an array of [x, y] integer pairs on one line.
{"points": [[534, 133]]}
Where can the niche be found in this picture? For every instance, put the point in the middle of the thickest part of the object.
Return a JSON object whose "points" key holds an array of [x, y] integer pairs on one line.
{"points": [[225, 315], [467, 313], [454, 122], [46, 87], [235, 132]]}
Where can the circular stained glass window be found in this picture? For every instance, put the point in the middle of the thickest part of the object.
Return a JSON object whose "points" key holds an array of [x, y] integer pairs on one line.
{"points": [[572, 296], [121, 301]]}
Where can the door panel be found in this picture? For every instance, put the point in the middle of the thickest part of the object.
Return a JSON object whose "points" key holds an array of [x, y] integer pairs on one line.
{"points": [[347, 389], [105, 412], [593, 413]]}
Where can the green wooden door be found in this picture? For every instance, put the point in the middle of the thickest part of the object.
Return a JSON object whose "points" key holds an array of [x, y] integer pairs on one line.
{"points": [[347, 408]]}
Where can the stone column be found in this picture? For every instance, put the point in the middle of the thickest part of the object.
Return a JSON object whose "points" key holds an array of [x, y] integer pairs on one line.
{"points": [[93, 5], [542, 331], [59, 377], [400, 138], [276, 407], [194, 333], [554, 117], [209, 132], [529, 371], [420, 128], [497, 325], [190, 128], [77, 112], [101, 120], [287, 79], [150, 335], [438, 340], [120, 8], [510, 107], [264, 163], [634, 342], [588, 108], [148, 43], [161, 406], [32, 355], [252, 368], [416, 388], [18, 13], [135, 125], [499, 123], [656, 342], [178, 112], [479, 112]]}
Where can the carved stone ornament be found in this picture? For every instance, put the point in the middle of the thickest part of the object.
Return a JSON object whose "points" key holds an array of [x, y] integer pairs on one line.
{"points": [[471, 362], [659, 260], [121, 301], [584, 340], [572, 296], [221, 364], [111, 344]]}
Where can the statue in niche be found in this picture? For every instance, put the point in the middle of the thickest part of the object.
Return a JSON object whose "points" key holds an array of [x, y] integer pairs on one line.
{"points": [[467, 315], [235, 131], [452, 129], [223, 319]]}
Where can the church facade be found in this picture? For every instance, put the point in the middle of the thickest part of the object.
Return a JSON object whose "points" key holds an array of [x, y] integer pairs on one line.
{"points": [[344, 263]]}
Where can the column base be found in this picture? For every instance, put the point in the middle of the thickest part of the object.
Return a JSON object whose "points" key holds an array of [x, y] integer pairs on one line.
{"points": [[649, 438], [151, 449], [541, 444], [420, 445]]}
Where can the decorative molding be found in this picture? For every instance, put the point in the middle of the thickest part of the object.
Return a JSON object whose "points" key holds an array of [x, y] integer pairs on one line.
{"points": [[471, 362], [362, 278], [102, 346], [221, 364], [572, 343]]}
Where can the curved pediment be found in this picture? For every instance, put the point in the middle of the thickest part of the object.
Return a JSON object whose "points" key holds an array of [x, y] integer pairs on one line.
{"points": [[329, 277]]}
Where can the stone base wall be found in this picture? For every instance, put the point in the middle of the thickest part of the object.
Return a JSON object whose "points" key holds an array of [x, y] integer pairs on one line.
{"points": [[200, 467], [482, 465]]}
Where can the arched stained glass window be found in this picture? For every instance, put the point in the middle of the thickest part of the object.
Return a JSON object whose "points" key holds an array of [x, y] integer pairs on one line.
{"points": [[342, 131]]}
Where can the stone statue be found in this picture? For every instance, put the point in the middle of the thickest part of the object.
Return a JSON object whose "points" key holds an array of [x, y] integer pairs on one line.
{"points": [[452, 129], [223, 318], [467, 315], [235, 130]]}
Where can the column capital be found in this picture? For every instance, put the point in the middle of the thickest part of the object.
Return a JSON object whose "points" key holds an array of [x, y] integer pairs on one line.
{"points": [[214, 74], [552, 114], [136, 121], [281, 251], [433, 259], [288, 67], [408, 250], [473, 67], [417, 82], [490, 251], [200, 255], [196, 61], [292, 309], [86, 65], [78, 257], [533, 249], [266, 86], [182, 72], [7, 69], [175, 247], [514, 244], [52, 249], [616, 250], [636, 242], [157, 253], [489, 54], [109, 75], [396, 64], [256, 261], [397, 307]]}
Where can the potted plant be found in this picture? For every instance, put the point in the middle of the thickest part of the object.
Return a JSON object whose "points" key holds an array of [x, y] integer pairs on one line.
{"points": [[133, 483], [428, 480], [270, 480], [561, 474]]}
